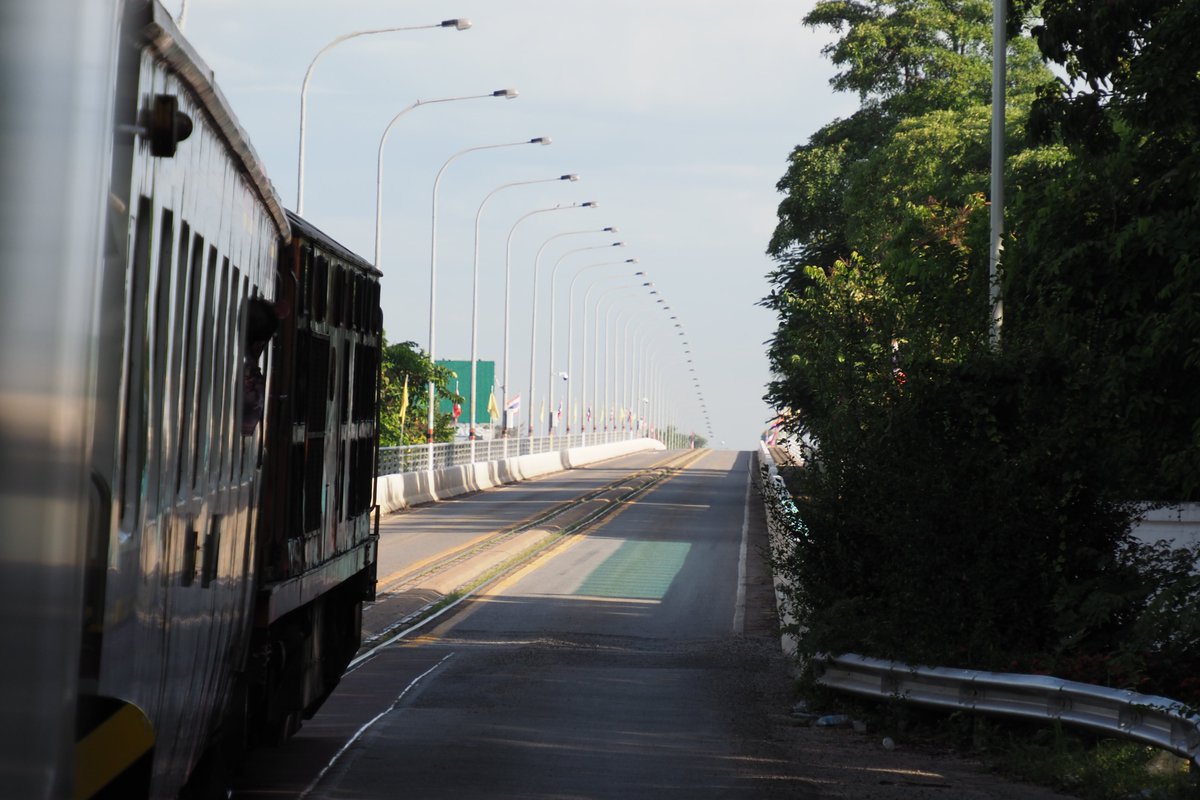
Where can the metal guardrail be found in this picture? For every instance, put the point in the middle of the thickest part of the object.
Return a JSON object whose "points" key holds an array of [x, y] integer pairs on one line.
{"points": [[416, 457], [1150, 719], [1158, 721]]}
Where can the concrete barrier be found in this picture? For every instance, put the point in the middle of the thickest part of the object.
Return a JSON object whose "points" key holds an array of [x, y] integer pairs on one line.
{"points": [[407, 489]]}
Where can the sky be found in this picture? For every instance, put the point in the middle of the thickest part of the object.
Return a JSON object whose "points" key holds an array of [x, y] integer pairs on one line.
{"points": [[677, 115]]}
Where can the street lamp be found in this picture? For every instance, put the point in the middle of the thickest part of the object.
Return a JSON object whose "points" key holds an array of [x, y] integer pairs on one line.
{"points": [[537, 258], [507, 294], [475, 287], [595, 349], [507, 94], [553, 307], [542, 140], [571, 328], [456, 24]]}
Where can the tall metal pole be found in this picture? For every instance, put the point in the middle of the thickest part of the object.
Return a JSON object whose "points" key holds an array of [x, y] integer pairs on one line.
{"points": [[999, 48], [508, 294], [457, 24], [379, 158], [475, 291], [553, 326], [571, 331], [433, 262]]}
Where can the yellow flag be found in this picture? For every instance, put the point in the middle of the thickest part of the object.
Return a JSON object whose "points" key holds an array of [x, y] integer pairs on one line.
{"points": [[403, 405], [493, 412]]}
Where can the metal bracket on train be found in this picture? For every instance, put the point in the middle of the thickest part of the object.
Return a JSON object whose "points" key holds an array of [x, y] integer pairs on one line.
{"points": [[164, 125]]}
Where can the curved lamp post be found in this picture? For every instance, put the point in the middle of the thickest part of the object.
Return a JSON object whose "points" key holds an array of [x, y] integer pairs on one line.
{"points": [[457, 24], [475, 288], [571, 330], [507, 94], [553, 308], [507, 295], [542, 140]]}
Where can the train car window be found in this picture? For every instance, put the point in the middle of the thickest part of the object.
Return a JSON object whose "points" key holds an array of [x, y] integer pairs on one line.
{"points": [[361, 293], [174, 418], [304, 281], [366, 472], [241, 469], [339, 482], [300, 377], [346, 351], [261, 324], [314, 469], [221, 374], [162, 314], [133, 450], [187, 566], [212, 547], [335, 295], [202, 441], [295, 511], [320, 289], [365, 367], [188, 417], [318, 383], [376, 310]]}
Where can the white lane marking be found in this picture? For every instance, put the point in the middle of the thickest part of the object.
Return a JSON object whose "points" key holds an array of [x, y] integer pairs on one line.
{"points": [[739, 611], [364, 728]]}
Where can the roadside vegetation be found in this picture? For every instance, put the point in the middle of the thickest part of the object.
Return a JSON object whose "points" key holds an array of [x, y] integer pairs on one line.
{"points": [[404, 396], [969, 504]]}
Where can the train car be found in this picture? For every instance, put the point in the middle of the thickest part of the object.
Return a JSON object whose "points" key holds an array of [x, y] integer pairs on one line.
{"points": [[187, 414], [317, 549], [195, 234]]}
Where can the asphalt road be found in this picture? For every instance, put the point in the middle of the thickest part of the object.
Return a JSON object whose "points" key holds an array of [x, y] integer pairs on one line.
{"points": [[636, 659]]}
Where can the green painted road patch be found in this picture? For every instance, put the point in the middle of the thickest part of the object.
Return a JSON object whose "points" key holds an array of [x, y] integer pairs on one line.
{"points": [[638, 570]]}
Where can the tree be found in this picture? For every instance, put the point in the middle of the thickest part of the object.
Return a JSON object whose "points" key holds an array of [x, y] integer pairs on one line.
{"points": [[946, 468], [403, 414]]}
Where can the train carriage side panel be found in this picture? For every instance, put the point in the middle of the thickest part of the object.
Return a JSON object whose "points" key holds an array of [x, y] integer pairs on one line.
{"points": [[317, 548], [198, 232]]}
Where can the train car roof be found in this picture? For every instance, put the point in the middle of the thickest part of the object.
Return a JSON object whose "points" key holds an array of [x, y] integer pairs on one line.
{"points": [[162, 35], [305, 229]]}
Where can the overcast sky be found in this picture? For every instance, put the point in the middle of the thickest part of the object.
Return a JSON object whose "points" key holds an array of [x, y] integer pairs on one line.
{"points": [[678, 116]]}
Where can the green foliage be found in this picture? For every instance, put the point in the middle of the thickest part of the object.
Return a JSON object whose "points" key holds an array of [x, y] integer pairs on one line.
{"points": [[1107, 769], [969, 506], [400, 422]]}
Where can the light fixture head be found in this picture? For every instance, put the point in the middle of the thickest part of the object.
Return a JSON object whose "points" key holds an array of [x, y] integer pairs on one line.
{"points": [[633, 261], [507, 94], [589, 204], [571, 176], [610, 230], [636, 273], [460, 24], [542, 140]]}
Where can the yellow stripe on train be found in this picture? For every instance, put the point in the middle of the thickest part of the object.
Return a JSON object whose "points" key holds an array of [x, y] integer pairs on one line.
{"points": [[112, 757]]}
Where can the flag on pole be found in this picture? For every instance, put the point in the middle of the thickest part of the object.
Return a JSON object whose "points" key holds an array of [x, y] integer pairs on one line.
{"points": [[493, 412], [403, 405], [456, 411], [514, 405]]}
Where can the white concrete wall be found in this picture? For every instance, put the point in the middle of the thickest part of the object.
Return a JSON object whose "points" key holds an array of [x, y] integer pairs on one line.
{"points": [[395, 492]]}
